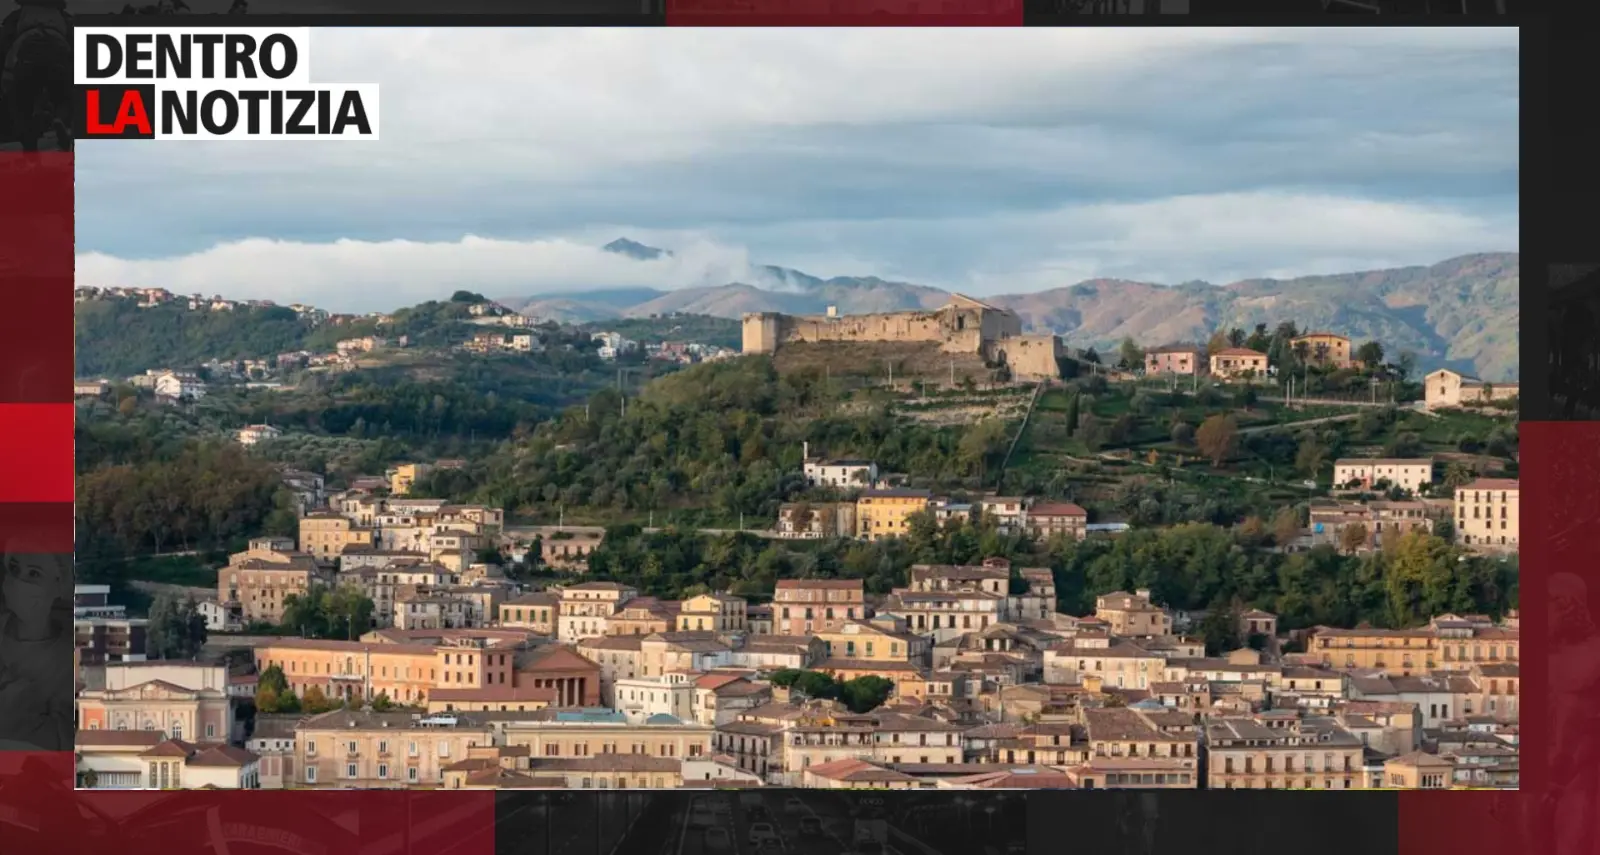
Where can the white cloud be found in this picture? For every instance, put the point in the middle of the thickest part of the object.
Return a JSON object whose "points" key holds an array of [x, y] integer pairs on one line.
{"points": [[977, 158], [1159, 241]]}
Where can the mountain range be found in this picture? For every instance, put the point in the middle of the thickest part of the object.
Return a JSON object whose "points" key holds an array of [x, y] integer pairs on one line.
{"points": [[1461, 313]]}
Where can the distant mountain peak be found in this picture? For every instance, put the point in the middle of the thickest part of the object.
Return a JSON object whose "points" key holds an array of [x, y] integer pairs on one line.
{"points": [[635, 250]]}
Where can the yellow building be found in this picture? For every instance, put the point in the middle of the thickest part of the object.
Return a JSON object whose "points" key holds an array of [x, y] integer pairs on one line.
{"points": [[1238, 362], [353, 749], [713, 613], [1448, 643], [403, 476], [1324, 348], [1487, 513], [871, 641], [1252, 754], [325, 535], [886, 513], [1418, 771]]}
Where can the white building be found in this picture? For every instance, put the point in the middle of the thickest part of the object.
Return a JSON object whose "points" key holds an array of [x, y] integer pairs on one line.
{"points": [[1407, 474], [844, 474], [178, 386], [253, 434]]}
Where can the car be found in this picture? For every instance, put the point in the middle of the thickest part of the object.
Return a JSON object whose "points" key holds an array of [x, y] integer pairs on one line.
{"points": [[717, 839], [701, 816], [761, 832], [810, 826], [773, 845], [793, 805], [869, 847]]}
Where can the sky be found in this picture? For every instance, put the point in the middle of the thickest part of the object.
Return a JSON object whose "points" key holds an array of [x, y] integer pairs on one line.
{"points": [[990, 161]]}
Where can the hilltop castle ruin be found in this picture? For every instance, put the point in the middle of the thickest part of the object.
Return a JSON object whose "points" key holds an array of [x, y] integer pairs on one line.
{"points": [[961, 326]]}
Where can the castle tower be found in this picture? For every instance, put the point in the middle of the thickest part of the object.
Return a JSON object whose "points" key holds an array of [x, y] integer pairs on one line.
{"points": [[760, 332]]}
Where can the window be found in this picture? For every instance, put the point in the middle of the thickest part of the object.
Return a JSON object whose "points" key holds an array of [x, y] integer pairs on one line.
{"points": [[311, 774], [411, 774], [349, 770]]}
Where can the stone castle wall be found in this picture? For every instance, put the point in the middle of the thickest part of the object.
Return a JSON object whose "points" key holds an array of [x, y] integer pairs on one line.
{"points": [[957, 328]]}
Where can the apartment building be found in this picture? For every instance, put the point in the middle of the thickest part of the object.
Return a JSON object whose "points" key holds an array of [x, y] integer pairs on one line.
{"points": [[596, 732], [1009, 513], [373, 750], [887, 513], [1373, 473], [1282, 753], [383, 575], [1326, 349], [1142, 746], [1046, 520], [1111, 662], [808, 606], [1487, 514], [1238, 362], [403, 476], [720, 613], [1448, 642], [255, 585], [842, 473], [535, 612], [1132, 615], [569, 549], [1184, 360], [102, 631], [325, 534], [643, 616], [584, 608]]}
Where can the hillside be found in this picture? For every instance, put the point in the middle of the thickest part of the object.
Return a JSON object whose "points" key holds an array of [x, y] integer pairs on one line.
{"points": [[1461, 313]]}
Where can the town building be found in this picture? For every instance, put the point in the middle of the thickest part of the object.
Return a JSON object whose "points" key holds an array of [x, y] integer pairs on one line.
{"points": [[1046, 520], [887, 513], [803, 607], [1445, 388], [719, 613], [102, 631], [1238, 363], [182, 700], [324, 535], [816, 520], [1487, 514], [250, 435], [584, 608], [1184, 360], [1448, 643], [1326, 349], [1377, 473], [378, 750], [846, 474], [255, 585]]}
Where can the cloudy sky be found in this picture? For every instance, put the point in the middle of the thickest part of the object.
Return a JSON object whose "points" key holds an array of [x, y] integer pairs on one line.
{"points": [[989, 161]]}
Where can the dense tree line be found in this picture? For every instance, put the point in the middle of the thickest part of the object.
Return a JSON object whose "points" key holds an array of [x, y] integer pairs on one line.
{"points": [[859, 695], [725, 437], [203, 495]]}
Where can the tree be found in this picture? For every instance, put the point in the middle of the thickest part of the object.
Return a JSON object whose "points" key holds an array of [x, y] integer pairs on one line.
{"points": [[381, 702], [1219, 629], [1131, 355], [1091, 356], [1286, 526], [1072, 414], [1353, 537], [1371, 355], [176, 629], [1217, 437], [316, 701], [1182, 433], [864, 694], [1236, 337], [1310, 456], [1218, 343], [1405, 365]]}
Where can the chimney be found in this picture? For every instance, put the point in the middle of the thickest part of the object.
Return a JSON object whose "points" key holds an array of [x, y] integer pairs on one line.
{"points": [[833, 311], [1143, 594], [805, 451]]}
